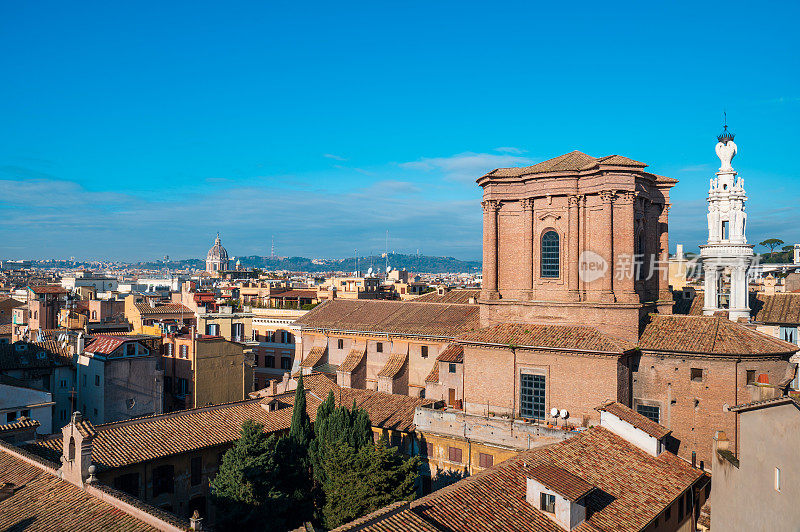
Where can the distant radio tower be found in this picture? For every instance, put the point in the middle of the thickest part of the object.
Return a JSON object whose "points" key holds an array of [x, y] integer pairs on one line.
{"points": [[272, 249]]}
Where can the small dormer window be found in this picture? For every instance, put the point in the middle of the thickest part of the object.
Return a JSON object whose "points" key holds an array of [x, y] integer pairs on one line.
{"points": [[547, 503]]}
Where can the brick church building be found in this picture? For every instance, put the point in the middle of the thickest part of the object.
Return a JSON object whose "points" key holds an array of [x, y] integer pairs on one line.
{"points": [[576, 308]]}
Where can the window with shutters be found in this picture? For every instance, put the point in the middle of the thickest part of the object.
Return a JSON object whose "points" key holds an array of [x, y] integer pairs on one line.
{"points": [[269, 361], [485, 460], [454, 454]]}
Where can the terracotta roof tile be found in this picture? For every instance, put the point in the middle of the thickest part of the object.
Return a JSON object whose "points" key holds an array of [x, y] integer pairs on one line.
{"points": [[314, 357], [457, 296], [453, 353], [782, 309], [20, 423], [569, 162], [386, 411], [392, 518], [634, 418], [147, 438], [398, 317], [353, 359], [48, 289], [433, 376], [632, 488], [42, 501], [560, 480], [708, 335], [167, 308], [569, 337], [394, 365]]}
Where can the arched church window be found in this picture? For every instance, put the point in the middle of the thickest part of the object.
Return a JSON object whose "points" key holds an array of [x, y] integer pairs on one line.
{"points": [[550, 255], [71, 449]]}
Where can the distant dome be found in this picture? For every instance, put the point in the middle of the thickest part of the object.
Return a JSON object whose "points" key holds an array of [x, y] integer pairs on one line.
{"points": [[217, 252], [217, 258]]}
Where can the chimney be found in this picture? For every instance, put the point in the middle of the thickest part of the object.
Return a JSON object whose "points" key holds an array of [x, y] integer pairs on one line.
{"points": [[273, 387], [80, 344]]}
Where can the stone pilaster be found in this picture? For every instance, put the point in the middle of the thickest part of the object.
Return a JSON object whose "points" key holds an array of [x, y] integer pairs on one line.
{"points": [[607, 245], [624, 278], [527, 247], [573, 238], [489, 288]]}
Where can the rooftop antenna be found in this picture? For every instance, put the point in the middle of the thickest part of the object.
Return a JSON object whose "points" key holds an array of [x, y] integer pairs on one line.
{"points": [[387, 250]]}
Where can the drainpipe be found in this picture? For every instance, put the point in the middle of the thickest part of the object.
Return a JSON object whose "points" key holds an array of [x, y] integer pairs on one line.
{"points": [[514, 390], [736, 401]]}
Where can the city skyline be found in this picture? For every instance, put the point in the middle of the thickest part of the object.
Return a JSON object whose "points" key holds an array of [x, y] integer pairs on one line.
{"points": [[123, 141]]}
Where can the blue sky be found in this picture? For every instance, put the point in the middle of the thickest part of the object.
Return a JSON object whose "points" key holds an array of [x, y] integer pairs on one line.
{"points": [[138, 129]]}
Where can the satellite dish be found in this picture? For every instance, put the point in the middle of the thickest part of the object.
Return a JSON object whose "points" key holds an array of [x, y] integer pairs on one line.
{"points": [[388, 269], [369, 270], [564, 414], [554, 412]]}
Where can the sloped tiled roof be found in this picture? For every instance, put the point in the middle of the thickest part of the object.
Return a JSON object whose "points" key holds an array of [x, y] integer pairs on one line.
{"points": [[313, 357], [398, 317], [453, 353], [147, 438], [167, 308], [394, 365], [560, 480], [42, 501], [133, 441], [569, 162], [6, 329], [708, 335], [633, 488], [46, 354], [353, 359], [20, 423], [639, 421], [392, 518], [48, 289], [105, 344], [433, 376], [386, 411], [458, 296], [569, 337], [783, 309]]}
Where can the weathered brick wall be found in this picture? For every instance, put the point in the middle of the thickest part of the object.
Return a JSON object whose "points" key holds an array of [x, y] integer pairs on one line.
{"points": [[694, 410], [575, 383]]}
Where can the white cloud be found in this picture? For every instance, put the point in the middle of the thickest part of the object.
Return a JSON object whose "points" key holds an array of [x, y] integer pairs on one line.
{"points": [[334, 157], [466, 166], [510, 149]]}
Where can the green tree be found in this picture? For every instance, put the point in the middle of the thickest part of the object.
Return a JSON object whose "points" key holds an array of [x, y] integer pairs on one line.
{"points": [[301, 429], [247, 490], [362, 481], [771, 243]]}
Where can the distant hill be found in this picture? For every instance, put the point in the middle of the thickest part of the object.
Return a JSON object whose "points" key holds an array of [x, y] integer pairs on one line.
{"points": [[414, 263]]}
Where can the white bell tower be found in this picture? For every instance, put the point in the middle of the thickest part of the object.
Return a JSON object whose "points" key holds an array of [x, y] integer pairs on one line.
{"points": [[727, 256]]}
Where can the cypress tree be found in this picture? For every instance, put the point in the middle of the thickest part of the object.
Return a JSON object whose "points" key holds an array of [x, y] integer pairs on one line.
{"points": [[301, 431]]}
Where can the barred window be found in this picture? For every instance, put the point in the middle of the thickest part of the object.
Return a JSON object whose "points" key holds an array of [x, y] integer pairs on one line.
{"points": [[648, 411], [532, 396], [550, 255]]}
